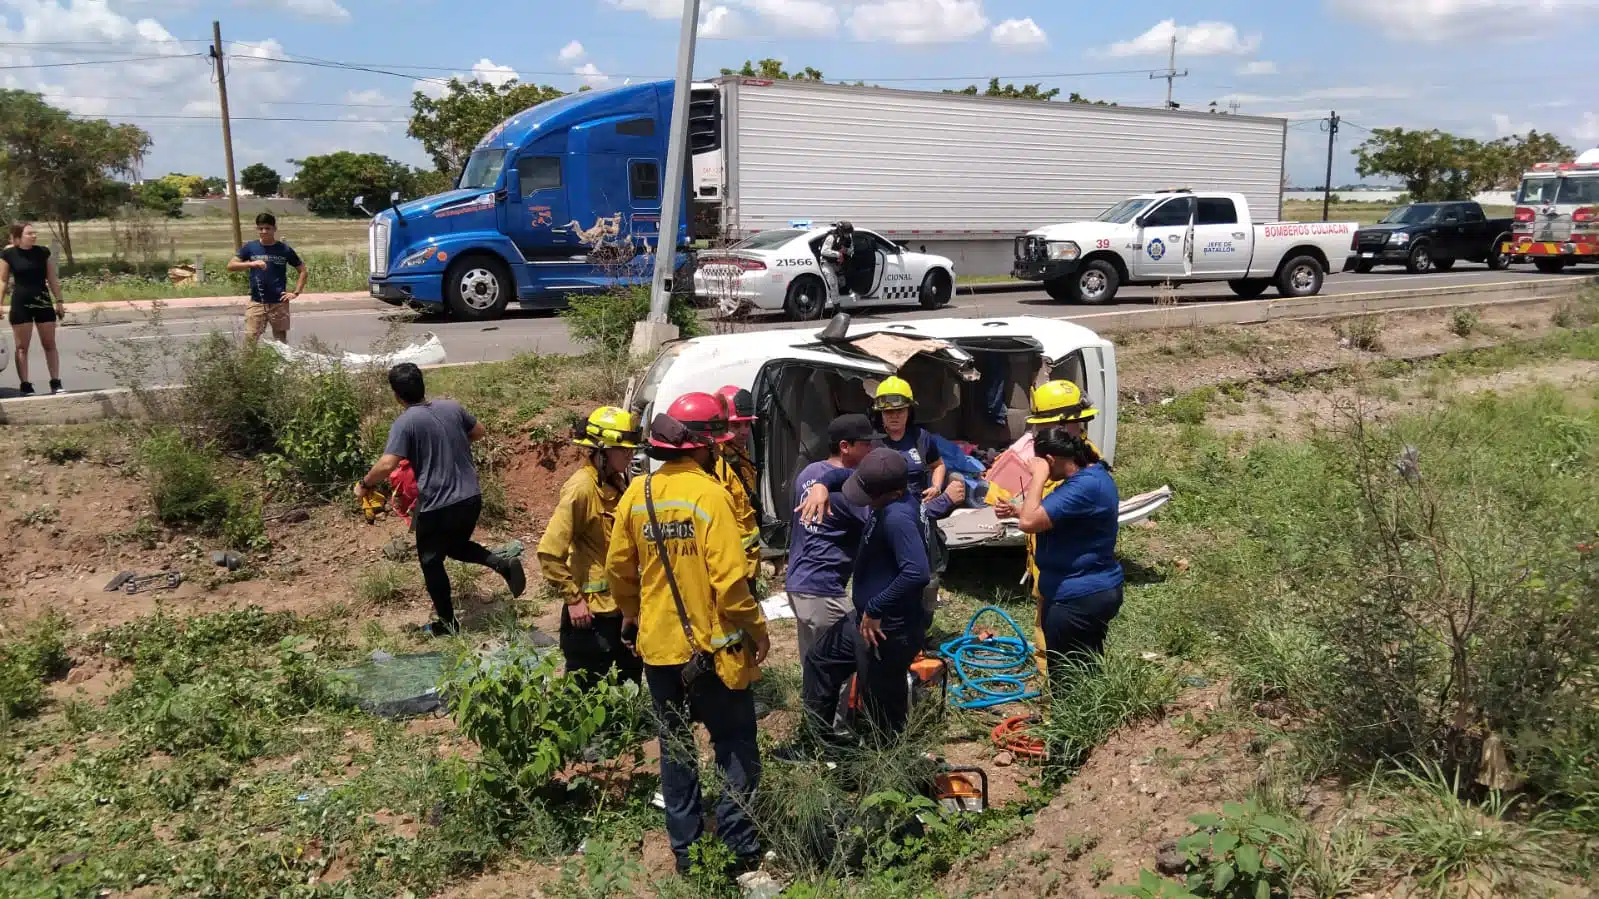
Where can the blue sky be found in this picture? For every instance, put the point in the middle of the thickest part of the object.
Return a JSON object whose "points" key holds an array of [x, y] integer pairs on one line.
{"points": [[1481, 68]]}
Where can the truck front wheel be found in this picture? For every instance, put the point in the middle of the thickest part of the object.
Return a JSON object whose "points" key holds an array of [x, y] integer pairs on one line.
{"points": [[1550, 266], [1498, 259], [1095, 283], [1249, 288], [478, 288], [1300, 276]]}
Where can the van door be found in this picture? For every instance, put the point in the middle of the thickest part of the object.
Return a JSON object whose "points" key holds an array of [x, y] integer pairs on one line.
{"points": [[1164, 248], [537, 208]]}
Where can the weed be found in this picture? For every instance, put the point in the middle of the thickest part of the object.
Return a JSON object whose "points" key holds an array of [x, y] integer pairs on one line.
{"points": [[320, 442], [605, 320], [1099, 870], [184, 480], [603, 871], [1152, 886], [43, 515], [1331, 866], [1237, 853], [235, 394], [38, 654], [1079, 845], [1097, 699], [61, 450], [1189, 408], [385, 585], [1361, 333], [1463, 320]]}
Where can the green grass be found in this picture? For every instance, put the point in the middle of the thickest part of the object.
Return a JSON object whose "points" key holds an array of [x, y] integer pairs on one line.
{"points": [[327, 272], [212, 234]]}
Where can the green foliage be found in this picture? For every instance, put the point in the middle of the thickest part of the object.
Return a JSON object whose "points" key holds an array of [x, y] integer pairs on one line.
{"points": [[1463, 321], [450, 126], [38, 654], [60, 169], [59, 450], [385, 585], [236, 394], [1436, 165], [532, 722], [1152, 886], [1237, 853], [1012, 92], [161, 198], [772, 70], [603, 871], [604, 321], [260, 179], [330, 183], [1099, 698], [1362, 333], [319, 442], [184, 481]]}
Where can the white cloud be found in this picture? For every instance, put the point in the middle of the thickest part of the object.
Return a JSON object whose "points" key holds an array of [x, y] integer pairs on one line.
{"points": [[318, 9], [795, 18], [571, 52], [1504, 127], [1587, 130], [488, 72], [656, 9], [719, 23], [1445, 20], [591, 75], [1199, 39], [1018, 33], [1322, 94], [1258, 67], [918, 21]]}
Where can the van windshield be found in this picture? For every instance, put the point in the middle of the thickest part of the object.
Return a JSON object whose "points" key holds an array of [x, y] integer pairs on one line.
{"points": [[1123, 212], [482, 170]]}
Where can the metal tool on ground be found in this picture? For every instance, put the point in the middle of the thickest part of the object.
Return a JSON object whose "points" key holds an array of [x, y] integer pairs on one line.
{"points": [[990, 670], [961, 789], [130, 583]]}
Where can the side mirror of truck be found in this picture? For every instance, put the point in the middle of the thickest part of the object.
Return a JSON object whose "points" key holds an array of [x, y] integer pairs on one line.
{"points": [[394, 198], [360, 203]]}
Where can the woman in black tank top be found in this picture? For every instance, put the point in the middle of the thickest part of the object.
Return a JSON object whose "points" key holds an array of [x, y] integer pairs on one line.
{"points": [[28, 274]]}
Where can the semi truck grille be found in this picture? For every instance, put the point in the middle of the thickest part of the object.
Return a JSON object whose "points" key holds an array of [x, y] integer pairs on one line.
{"points": [[1031, 249], [378, 247]]}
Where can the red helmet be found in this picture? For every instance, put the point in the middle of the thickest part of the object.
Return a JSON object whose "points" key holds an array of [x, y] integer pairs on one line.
{"points": [[703, 415], [739, 403]]}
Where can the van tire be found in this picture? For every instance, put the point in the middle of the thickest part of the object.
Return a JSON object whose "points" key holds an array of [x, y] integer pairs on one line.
{"points": [[1249, 288], [936, 289], [478, 287], [806, 299], [1301, 276]]}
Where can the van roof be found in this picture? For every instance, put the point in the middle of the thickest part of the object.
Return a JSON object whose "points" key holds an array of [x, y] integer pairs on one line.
{"points": [[573, 109]]}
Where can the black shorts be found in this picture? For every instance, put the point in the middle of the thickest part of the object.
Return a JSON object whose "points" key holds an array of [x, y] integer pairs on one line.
{"points": [[36, 311]]}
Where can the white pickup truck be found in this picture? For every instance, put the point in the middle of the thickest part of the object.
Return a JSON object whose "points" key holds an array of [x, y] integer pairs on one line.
{"points": [[1179, 236]]}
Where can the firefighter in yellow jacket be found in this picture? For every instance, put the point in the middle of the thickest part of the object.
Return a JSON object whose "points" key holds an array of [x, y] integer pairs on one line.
{"points": [[1053, 403], [572, 552], [699, 631]]}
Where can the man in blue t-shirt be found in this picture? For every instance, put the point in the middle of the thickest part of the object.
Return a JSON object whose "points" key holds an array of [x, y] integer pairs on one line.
{"points": [[821, 554], [268, 261], [880, 637]]}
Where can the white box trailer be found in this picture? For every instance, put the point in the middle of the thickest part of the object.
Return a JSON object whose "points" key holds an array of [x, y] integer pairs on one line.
{"points": [[961, 175]]}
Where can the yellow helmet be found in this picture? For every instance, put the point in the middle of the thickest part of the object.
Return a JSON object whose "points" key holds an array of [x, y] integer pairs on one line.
{"points": [[608, 426], [1056, 402], [894, 393]]}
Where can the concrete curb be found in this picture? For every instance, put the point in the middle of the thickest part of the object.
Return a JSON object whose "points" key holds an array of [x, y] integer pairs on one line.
{"points": [[98, 405]]}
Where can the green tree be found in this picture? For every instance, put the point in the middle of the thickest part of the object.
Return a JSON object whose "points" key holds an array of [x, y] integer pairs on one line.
{"points": [[160, 197], [61, 169], [1434, 165], [427, 182], [1506, 159], [449, 127], [260, 179], [214, 186], [329, 184], [772, 70], [1012, 92], [187, 185]]}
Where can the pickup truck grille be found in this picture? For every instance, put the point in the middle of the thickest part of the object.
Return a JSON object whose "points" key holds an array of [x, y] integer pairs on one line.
{"points": [[1031, 249], [378, 247], [1372, 240]]}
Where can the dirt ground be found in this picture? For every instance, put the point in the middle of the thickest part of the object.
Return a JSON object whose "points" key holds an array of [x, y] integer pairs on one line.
{"points": [[71, 527]]}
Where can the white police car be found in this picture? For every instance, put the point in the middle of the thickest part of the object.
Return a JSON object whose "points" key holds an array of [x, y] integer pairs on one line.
{"points": [[782, 270]]}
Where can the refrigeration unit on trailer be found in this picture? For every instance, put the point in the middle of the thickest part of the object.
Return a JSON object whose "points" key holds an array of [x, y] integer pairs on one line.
{"points": [[959, 175]]}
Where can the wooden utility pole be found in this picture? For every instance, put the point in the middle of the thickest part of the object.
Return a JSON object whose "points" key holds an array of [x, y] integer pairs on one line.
{"points": [[1332, 133], [1171, 71], [227, 129]]}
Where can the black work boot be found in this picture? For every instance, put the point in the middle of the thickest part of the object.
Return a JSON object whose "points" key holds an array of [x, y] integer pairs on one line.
{"points": [[511, 570], [55, 385], [26, 388]]}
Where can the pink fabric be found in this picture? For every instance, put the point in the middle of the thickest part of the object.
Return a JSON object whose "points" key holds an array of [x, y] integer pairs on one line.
{"points": [[403, 480], [1010, 468]]}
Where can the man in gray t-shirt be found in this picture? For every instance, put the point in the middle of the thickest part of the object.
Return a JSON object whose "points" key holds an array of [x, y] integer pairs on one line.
{"points": [[436, 437]]}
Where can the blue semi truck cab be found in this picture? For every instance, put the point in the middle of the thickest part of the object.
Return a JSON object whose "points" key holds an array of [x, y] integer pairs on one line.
{"points": [[561, 198]]}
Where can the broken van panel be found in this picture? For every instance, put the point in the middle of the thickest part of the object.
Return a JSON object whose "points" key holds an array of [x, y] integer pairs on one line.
{"points": [[956, 366]]}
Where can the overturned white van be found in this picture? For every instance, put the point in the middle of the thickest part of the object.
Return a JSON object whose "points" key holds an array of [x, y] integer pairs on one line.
{"points": [[971, 377]]}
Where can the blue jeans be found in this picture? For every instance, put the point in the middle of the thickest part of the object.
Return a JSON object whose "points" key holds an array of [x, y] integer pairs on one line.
{"points": [[1074, 630], [729, 716]]}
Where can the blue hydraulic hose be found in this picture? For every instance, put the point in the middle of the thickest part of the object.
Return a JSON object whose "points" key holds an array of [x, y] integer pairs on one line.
{"points": [[990, 671]]}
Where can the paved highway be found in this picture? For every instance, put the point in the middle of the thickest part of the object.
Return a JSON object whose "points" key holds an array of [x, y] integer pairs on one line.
{"points": [[103, 354]]}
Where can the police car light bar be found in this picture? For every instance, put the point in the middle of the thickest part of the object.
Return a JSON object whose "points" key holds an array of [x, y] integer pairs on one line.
{"points": [[799, 223]]}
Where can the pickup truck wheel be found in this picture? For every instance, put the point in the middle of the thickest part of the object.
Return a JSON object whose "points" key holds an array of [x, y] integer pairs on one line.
{"points": [[1550, 266], [1498, 259], [1442, 265], [1059, 290], [1300, 276], [1095, 283], [1249, 288], [1420, 261], [936, 289], [477, 288], [805, 300]]}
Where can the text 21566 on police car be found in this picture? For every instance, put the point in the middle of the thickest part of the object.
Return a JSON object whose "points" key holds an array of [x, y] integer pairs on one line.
{"points": [[1180, 236], [783, 270]]}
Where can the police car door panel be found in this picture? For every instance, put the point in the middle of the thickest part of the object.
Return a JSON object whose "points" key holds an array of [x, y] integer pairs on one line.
{"points": [[895, 284]]}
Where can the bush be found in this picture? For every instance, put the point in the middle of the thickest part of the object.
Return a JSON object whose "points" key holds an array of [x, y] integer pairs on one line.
{"points": [[320, 442], [1463, 321], [184, 481], [61, 450], [604, 321], [1362, 333], [236, 395], [40, 653]]}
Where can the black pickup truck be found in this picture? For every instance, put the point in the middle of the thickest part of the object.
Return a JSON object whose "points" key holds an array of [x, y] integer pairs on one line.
{"points": [[1430, 237]]}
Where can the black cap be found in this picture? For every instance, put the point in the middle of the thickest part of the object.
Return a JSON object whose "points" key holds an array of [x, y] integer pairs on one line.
{"points": [[882, 472], [852, 428]]}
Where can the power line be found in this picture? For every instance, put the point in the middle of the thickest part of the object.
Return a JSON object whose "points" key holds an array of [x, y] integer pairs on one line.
{"points": [[100, 62], [257, 102], [241, 118]]}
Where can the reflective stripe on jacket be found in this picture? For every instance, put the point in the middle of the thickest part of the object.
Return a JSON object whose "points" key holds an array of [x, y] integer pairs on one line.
{"points": [[572, 550], [705, 549]]}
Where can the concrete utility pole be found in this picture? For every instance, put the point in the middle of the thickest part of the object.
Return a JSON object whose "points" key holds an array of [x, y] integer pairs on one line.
{"points": [[649, 335], [1332, 133], [227, 130], [1171, 71]]}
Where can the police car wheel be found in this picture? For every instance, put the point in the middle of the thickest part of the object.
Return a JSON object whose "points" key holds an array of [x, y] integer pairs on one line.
{"points": [[936, 289], [477, 288], [806, 299]]}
